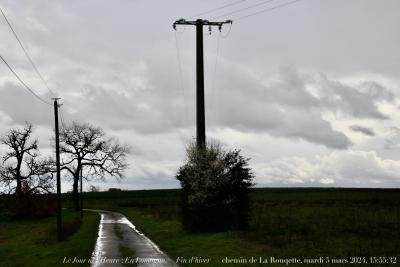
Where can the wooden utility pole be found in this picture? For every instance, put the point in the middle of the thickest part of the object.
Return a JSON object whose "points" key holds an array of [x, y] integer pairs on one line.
{"points": [[57, 133], [200, 111]]}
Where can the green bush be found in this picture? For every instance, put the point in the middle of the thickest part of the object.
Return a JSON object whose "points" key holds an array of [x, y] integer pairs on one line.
{"points": [[215, 186]]}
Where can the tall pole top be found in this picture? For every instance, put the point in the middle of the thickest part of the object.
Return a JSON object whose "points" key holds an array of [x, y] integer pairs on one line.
{"points": [[56, 101], [201, 22]]}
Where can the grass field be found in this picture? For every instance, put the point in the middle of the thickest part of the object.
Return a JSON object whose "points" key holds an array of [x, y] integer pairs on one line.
{"points": [[304, 223], [33, 242]]}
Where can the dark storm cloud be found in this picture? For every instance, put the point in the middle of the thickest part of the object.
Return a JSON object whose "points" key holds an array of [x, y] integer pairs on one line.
{"points": [[364, 130]]}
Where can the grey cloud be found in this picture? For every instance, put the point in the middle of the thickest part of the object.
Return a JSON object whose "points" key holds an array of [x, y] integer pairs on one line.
{"points": [[377, 91], [364, 130], [139, 111], [311, 127], [244, 103], [272, 109], [350, 100], [283, 109], [22, 106], [393, 140]]}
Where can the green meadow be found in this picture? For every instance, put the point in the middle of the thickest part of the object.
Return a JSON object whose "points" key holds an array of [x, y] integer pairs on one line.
{"points": [[34, 243]]}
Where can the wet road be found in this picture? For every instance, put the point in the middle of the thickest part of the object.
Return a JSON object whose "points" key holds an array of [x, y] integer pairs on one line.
{"points": [[119, 243]]}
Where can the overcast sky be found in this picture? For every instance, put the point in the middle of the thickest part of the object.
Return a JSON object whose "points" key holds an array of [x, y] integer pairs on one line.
{"points": [[310, 91]]}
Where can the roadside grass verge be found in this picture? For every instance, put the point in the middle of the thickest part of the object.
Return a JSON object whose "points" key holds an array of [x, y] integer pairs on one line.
{"points": [[173, 240], [34, 242]]}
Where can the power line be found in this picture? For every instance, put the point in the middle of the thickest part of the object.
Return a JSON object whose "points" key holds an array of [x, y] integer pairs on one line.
{"points": [[215, 65], [178, 56], [243, 9], [216, 9], [215, 76], [266, 10], [62, 119], [26, 53], [223, 36], [22, 82], [181, 32]]}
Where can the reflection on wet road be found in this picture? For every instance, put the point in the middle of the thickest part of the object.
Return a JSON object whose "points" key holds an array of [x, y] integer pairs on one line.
{"points": [[119, 243]]}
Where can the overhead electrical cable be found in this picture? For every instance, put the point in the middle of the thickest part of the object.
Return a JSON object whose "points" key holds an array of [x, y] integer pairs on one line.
{"points": [[26, 53], [214, 78], [62, 119], [23, 83], [181, 85], [216, 9], [243, 9], [266, 10], [223, 36], [178, 56]]}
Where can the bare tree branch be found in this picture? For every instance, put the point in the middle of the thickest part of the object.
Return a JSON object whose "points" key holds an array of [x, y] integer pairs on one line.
{"points": [[22, 165], [85, 147]]}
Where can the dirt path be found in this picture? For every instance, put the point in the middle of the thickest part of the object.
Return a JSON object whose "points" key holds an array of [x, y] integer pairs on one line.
{"points": [[119, 243]]}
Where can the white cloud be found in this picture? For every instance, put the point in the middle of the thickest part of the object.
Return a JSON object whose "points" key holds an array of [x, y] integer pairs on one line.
{"points": [[339, 168]]}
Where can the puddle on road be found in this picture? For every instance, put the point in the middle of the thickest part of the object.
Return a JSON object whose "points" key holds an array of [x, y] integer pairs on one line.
{"points": [[124, 220]]}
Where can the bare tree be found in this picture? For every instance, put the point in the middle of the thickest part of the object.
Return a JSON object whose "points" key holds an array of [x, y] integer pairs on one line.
{"points": [[93, 188], [85, 149], [22, 168]]}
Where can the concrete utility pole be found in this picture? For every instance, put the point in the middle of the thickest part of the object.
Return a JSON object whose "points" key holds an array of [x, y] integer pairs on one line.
{"points": [[200, 112], [59, 222]]}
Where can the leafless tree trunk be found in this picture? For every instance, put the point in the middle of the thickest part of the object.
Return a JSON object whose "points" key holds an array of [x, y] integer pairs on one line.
{"points": [[22, 169], [85, 147]]}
